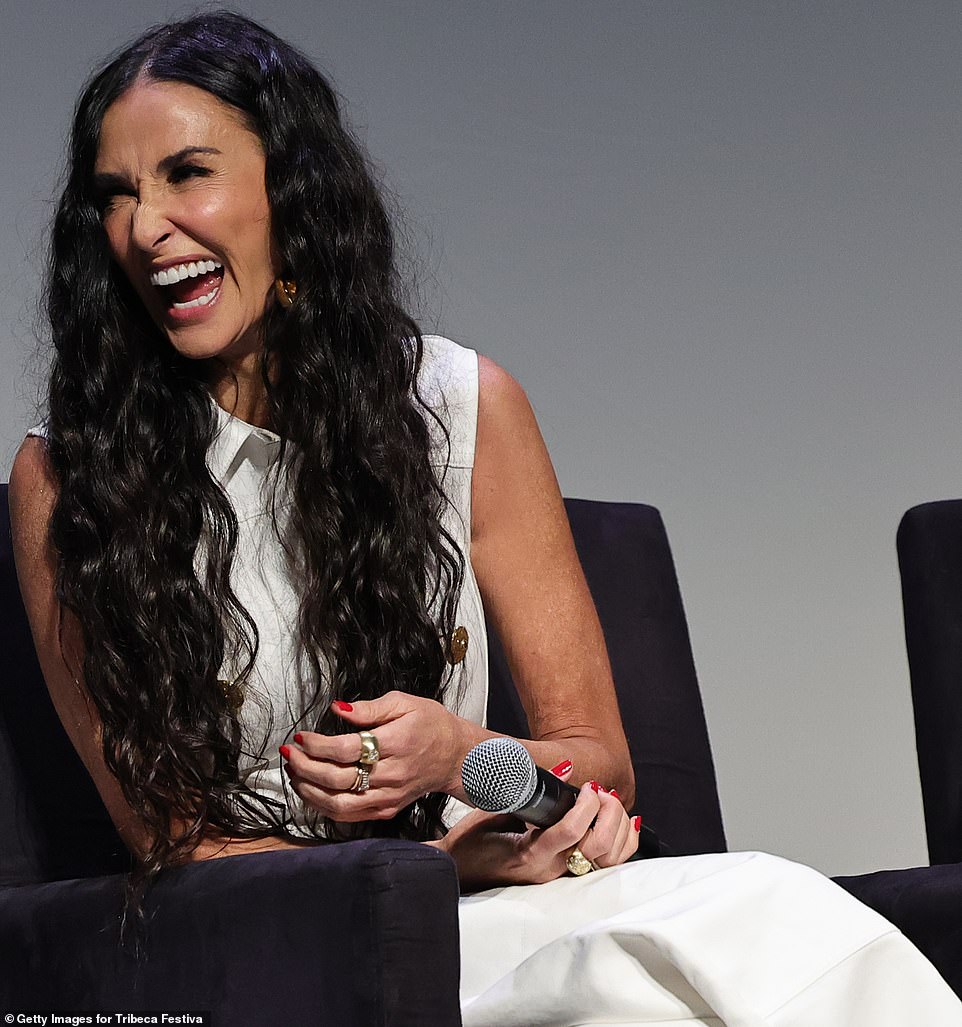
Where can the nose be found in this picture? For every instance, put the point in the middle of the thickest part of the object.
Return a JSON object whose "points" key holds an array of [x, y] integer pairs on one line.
{"points": [[150, 225]]}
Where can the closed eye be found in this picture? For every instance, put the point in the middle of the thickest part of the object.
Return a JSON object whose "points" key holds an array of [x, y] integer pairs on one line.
{"points": [[109, 189], [107, 201], [183, 172]]}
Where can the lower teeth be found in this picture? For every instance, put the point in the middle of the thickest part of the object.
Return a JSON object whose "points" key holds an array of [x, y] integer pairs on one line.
{"points": [[201, 301]]}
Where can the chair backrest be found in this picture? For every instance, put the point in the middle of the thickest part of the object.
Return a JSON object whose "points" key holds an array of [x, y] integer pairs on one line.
{"points": [[53, 825], [930, 562], [627, 561]]}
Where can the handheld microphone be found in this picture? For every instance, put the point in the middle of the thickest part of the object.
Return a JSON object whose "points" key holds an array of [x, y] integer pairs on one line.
{"points": [[499, 776]]}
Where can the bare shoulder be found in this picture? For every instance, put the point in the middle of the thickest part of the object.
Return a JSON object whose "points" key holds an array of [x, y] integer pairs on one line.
{"points": [[512, 469], [31, 465], [501, 399], [508, 434], [32, 494]]}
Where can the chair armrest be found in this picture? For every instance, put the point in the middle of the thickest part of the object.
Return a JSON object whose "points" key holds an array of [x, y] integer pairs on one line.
{"points": [[925, 903], [363, 933]]}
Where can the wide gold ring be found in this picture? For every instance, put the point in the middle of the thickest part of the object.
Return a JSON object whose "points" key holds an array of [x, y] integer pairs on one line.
{"points": [[579, 864], [363, 780], [370, 753]]}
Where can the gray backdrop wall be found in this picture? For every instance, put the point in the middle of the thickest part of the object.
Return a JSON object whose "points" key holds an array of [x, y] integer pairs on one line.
{"points": [[718, 245]]}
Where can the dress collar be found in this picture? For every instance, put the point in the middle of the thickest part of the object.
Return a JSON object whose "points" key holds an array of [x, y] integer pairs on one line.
{"points": [[236, 440]]}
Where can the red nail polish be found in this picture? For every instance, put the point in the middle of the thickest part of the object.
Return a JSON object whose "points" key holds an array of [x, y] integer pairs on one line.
{"points": [[344, 707], [595, 787], [562, 768], [614, 793], [285, 751], [636, 823], [299, 738]]}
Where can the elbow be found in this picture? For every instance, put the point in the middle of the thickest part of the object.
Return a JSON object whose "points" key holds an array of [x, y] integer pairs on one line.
{"points": [[618, 774], [621, 771], [625, 777]]}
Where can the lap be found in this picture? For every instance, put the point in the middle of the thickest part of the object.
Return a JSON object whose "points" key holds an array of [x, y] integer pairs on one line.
{"points": [[731, 938]]}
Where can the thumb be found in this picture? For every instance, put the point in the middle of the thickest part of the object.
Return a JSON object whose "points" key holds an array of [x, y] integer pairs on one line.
{"points": [[368, 712]]}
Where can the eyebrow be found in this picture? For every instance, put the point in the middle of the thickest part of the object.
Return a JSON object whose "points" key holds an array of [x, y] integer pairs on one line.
{"points": [[188, 151], [104, 182]]}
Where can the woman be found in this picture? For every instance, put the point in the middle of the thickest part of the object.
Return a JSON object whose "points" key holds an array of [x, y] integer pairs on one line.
{"points": [[255, 533]]}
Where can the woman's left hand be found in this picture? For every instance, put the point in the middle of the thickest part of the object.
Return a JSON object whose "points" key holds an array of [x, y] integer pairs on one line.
{"points": [[490, 850], [421, 745]]}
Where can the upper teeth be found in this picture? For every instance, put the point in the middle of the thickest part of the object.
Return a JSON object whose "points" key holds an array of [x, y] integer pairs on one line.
{"points": [[177, 274]]}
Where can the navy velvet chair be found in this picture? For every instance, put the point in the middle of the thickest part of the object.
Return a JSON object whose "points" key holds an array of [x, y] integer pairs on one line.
{"points": [[361, 934], [926, 902], [339, 935], [930, 560]]}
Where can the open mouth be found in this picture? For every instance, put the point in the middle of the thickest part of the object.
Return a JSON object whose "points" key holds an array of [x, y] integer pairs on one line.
{"points": [[191, 285]]}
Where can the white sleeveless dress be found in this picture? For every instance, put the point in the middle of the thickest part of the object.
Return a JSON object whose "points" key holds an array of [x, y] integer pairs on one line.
{"points": [[241, 459], [735, 939]]}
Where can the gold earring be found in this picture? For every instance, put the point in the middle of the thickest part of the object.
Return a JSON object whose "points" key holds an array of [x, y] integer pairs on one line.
{"points": [[286, 291]]}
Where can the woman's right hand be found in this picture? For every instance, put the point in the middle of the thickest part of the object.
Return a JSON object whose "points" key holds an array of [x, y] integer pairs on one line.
{"points": [[490, 850]]}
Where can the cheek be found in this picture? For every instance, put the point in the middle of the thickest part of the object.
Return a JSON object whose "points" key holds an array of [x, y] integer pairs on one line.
{"points": [[207, 219], [118, 238], [255, 239], [118, 242], [253, 226]]}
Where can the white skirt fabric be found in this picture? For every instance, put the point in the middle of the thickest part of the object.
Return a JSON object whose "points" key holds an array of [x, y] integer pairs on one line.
{"points": [[735, 939]]}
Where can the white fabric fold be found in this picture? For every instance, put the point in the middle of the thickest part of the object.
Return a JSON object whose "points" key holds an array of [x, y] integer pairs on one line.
{"points": [[742, 939]]}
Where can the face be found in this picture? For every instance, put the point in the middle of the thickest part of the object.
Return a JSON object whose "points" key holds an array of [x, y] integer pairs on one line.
{"points": [[181, 180]]}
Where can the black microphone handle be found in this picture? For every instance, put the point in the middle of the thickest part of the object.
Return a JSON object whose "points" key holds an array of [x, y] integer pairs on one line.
{"points": [[552, 798]]}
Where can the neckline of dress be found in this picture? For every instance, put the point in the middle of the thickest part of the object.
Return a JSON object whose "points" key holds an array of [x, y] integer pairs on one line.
{"points": [[227, 418]]}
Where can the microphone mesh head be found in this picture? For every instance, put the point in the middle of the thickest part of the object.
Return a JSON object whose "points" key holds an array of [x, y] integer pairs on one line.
{"points": [[499, 775]]}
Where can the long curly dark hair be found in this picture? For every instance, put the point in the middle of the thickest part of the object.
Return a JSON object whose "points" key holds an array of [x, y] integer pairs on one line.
{"points": [[146, 536]]}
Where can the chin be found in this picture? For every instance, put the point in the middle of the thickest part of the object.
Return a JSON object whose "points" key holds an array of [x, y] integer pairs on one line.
{"points": [[211, 345]]}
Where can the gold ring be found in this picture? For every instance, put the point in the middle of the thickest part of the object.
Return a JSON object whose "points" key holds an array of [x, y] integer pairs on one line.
{"points": [[370, 753], [363, 780], [579, 864]]}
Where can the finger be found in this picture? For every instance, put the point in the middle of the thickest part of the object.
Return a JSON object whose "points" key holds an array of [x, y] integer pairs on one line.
{"points": [[312, 796], [563, 770], [329, 774], [350, 807], [560, 838], [607, 839], [633, 840], [343, 749], [630, 845], [602, 838], [372, 712], [324, 801], [392, 773]]}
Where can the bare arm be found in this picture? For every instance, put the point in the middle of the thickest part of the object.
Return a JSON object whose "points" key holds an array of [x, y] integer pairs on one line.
{"points": [[535, 592], [33, 493]]}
